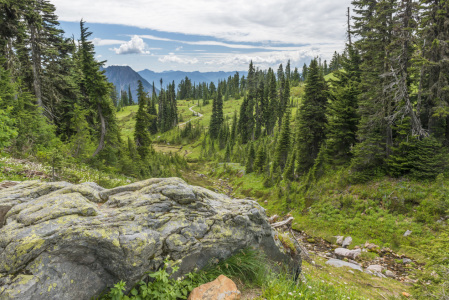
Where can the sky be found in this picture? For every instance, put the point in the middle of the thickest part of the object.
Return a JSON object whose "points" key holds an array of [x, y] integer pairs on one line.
{"points": [[208, 35]]}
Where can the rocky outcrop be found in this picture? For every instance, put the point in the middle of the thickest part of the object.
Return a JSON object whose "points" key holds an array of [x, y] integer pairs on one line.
{"points": [[65, 241]]}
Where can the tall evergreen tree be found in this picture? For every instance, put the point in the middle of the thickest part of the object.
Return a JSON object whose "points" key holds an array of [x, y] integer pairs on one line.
{"points": [[342, 115], [374, 27], [249, 167], [96, 90], [217, 116], [433, 93], [130, 96], [283, 146], [312, 119], [141, 134]]}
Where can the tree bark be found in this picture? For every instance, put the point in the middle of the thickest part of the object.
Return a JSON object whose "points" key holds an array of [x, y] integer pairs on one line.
{"points": [[35, 66], [102, 133]]}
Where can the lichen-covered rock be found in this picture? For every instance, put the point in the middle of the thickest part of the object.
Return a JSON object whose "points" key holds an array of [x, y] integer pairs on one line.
{"points": [[65, 241]]}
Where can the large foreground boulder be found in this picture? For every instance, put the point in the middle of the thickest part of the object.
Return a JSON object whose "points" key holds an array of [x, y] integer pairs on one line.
{"points": [[65, 241]]}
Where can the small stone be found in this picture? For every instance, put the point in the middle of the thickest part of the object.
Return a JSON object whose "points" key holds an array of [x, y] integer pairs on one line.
{"points": [[353, 254], [390, 274], [340, 263], [406, 261], [405, 294], [347, 242], [351, 271], [339, 240], [375, 268], [370, 246], [221, 288], [407, 233]]}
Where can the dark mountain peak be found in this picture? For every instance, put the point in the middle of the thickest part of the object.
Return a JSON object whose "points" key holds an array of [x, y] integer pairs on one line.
{"points": [[124, 77]]}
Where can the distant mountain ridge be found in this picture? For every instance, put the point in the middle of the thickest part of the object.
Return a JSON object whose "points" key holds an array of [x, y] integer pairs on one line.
{"points": [[178, 76], [124, 77]]}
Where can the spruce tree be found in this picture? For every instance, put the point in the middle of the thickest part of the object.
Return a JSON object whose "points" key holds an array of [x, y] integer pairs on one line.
{"points": [[342, 115], [95, 87], [141, 134], [433, 54], [217, 116], [260, 161], [130, 96], [283, 144], [249, 167], [289, 171], [273, 102], [233, 134], [312, 118]]}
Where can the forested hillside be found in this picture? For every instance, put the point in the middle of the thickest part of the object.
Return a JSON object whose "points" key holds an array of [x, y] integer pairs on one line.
{"points": [[355, 146]]}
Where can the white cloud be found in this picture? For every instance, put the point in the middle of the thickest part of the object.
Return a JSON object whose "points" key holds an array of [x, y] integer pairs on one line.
{"points": [[172, 58], [179, 48], [102, 42], [217, 43], [135, 46], [272, 21]]}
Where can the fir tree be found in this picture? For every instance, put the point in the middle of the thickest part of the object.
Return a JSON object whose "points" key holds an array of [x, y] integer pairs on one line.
{"points": [[289, 171], [342, 113], [249, 167], [130, 96], [217, 116], [283, 144], [141, 134], [260, 162], [312, 118], [96, 89]]}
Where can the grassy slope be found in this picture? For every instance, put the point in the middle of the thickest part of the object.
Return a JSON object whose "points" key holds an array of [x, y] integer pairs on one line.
{"points": [[320, 212]]}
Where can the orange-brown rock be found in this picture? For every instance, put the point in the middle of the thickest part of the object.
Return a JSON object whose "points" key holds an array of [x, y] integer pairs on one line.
{"points": [[221, 288]]}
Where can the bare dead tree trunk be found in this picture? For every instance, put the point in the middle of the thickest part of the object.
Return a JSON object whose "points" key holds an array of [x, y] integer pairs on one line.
{"points": [[349, 27], [35, 65], [102, 133], [399, 83]]}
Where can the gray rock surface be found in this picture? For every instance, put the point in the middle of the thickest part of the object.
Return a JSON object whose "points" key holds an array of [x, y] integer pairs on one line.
{"points": [[65, 241], [343, 252], [406, 261], [347, 242], [339, 239], [375, 268], [340, 263], [390, 274]]}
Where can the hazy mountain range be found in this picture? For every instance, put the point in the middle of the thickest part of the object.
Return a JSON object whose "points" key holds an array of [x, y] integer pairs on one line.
{"points": [[178, 76], [123, 77]]}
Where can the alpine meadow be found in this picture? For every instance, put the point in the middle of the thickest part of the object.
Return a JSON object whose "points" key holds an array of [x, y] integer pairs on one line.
{"points": [[273, 150]]}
